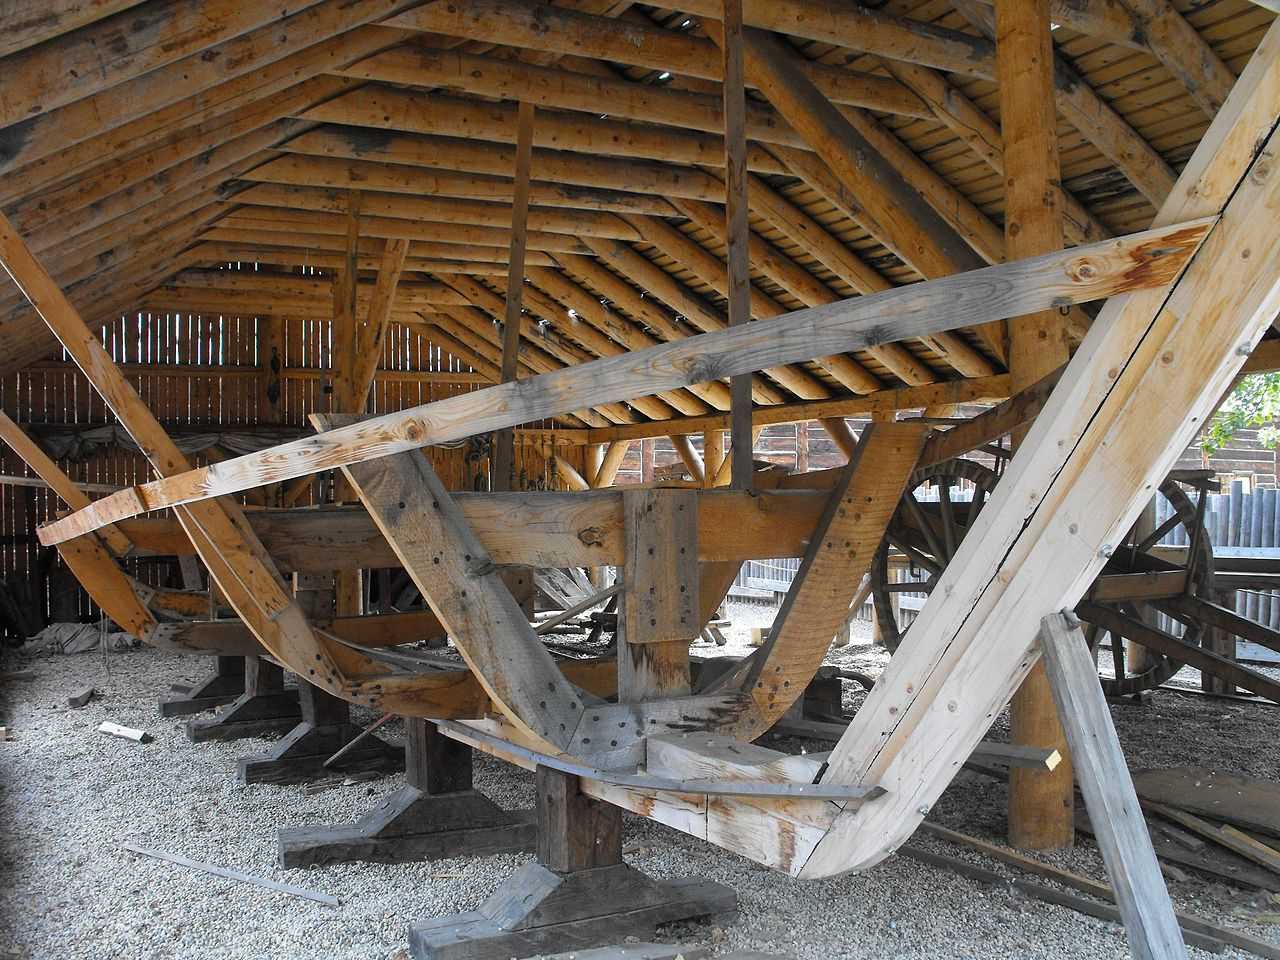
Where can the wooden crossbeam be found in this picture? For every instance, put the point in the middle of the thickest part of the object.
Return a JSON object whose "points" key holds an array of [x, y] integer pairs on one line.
{"points": [[25, 27], [1140, 261], [568, 90], [386, 214], [240, 134], [123, 48], [1184, 53], [484, 171], [387, 108]]}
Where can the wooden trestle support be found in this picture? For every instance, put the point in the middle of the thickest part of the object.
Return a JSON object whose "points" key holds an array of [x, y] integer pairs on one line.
{"points": [[1188, 300]]}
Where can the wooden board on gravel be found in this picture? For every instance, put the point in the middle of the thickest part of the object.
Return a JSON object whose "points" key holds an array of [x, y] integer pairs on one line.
{"points": [[1252, 804]]}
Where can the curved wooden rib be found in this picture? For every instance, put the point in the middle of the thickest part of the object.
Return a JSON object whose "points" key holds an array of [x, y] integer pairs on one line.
{"points": [[839, 554], [1135, 393]]}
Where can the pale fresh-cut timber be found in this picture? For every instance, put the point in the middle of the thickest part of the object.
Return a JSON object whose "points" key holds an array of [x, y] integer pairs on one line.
{"points": [[1112, 428]]}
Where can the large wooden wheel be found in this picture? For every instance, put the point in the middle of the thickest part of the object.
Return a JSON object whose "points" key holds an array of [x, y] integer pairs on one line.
{"points": [[1132, 584], [936, 512], [942, 504]]}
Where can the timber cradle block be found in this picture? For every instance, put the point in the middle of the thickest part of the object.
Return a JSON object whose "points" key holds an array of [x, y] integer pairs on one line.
{"points": [[265, 707], [579, 894], [412, 825], [325, 729], [226, 685], [541, 911], [435, 815]]}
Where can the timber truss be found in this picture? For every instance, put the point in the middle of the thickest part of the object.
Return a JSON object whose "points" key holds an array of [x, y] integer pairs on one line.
{"points": [[1186, 302]]}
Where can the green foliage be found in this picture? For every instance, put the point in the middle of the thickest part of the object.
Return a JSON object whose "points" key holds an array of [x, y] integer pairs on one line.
{"points": [[1255, 403]]}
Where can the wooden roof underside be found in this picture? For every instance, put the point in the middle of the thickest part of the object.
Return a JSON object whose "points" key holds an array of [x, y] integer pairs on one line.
{"points": [[146, 143]]}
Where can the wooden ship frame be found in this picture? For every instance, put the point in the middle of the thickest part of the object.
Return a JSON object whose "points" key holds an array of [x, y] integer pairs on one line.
{"points": [[382, 137]]}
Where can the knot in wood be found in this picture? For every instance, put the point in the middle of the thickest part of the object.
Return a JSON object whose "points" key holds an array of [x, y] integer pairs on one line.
{"points": [[1083, 270]]}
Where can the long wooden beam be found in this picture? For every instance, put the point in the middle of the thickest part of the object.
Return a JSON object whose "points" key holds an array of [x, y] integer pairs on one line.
{"points": [[391, 109], [420, 166], [29, 139], [48, 471], [1184, 53], [168, 128], [1085, 273], [25, 26], [941, 393], [240, 131], [123, 48], [567, 90], [542, 27], [386, 213]]}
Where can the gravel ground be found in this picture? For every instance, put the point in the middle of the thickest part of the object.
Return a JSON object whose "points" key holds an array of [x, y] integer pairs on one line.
{"points": [[70, 796]]}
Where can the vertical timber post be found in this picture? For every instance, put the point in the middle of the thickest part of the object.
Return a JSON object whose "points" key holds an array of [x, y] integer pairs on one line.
{"points": [[349, 583], [1040, 802], [735, 157], [504, 443]]}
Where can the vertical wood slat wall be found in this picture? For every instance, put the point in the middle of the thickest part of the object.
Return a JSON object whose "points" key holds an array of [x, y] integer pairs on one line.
{"points": [[228, 359]]}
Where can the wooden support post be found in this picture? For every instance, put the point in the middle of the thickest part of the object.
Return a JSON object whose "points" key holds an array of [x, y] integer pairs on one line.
{"points": [[350, 583], [504, 440], [1040, 802], [738, 230], [325, 728], [659, 607], [712, 455], [1120, 829], [435, 815], [325, 725]]}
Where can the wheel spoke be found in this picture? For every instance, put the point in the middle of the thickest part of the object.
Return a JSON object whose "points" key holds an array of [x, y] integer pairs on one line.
{"points": [[924, 525], [1117, 655], [949, 537]]}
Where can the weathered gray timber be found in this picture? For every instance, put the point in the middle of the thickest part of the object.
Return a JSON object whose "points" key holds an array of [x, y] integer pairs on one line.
{"points": [[325, 729], [436, 814], [226, 685], [265, 707], [579, 894]]}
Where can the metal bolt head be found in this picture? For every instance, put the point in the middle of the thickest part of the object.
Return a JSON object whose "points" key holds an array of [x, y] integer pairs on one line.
{"points": [[923, 809], [1106, 551]]}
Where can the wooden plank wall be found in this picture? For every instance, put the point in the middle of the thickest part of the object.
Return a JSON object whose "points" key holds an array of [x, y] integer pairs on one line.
{"points": [[211, 374]]}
